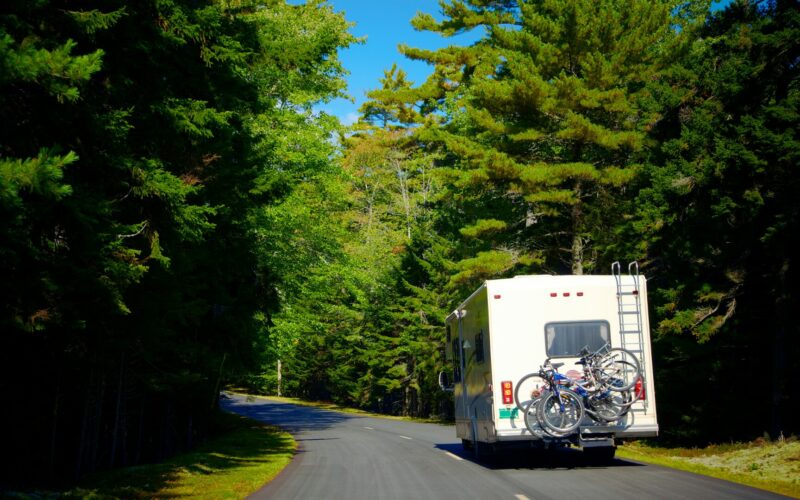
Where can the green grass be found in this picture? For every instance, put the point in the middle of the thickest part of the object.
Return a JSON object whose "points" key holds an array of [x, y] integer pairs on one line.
{"points": [[772, 466], [234, 464]]}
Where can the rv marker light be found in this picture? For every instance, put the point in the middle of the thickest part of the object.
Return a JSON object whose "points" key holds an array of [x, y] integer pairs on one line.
{"points": [[554, 294], [497, 296], [579, 294], [566, 294], [508, 396]]}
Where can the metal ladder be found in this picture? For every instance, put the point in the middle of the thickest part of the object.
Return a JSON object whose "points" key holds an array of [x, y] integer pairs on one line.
{"points": [[629, 307]]}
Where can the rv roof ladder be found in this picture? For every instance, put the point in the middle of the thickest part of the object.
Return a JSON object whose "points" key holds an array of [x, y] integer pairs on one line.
{"points": [[629, 306]]}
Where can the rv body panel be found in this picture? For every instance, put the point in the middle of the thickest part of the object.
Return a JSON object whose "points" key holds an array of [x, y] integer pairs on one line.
{"points": [[508, 327]]}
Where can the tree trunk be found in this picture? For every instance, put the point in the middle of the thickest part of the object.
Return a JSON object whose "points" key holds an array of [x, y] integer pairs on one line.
{"points": [[54, 430], [577, 238], [779, 371], [117, 412]]}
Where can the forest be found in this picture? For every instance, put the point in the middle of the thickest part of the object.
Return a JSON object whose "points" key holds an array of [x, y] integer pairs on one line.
{"points": [[177, 216]]}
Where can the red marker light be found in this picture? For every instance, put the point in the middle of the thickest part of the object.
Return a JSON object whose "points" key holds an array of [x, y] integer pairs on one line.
{"points": [[580, 294], [554, 294], [497, 296], [565, 294]]}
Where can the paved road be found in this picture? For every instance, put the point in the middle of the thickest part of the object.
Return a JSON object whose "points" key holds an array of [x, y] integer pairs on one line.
{"points": [[350, 457]]}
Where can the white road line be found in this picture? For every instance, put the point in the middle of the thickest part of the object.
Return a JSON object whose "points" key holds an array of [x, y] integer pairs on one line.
{"points": [[520, 496], [456, 457], [405, 437], [369, 428]]}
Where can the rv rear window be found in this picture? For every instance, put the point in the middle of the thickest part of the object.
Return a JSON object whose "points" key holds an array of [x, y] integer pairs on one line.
{"points": [[565, 340]]}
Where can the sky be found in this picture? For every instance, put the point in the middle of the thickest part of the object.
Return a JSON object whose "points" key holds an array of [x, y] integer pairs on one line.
{"points": [[386, 24]]}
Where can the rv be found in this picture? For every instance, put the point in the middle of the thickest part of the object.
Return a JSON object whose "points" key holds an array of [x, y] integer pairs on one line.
{"points": [[508, 328]]}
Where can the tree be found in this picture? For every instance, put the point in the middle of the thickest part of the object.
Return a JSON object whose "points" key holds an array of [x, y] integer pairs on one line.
{"points": [[720, 216], [137, 143], [546, 121]]}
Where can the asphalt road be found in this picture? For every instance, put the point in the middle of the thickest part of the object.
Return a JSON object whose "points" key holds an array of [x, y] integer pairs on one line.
{"points": [[349, 457]]}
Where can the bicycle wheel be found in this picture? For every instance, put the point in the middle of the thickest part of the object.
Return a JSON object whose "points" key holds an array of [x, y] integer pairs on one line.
{"points": [[618, 370], [560, 412], [529, 388], [608, 406], [531, 421]]}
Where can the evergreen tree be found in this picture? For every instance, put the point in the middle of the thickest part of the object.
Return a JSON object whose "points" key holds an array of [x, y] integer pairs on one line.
{"points": [[137, 143], [720, 217], [546, 123]]}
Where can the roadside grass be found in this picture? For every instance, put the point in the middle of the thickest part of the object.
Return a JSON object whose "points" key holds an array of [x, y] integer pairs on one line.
{"points": [[242, 458], [768, 465]]}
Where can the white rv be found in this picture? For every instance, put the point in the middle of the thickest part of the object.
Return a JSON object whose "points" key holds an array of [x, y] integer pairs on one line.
{"points": [[509, 327]]}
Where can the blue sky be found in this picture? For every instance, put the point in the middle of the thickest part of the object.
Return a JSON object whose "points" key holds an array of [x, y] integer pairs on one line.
{"points": [[386, 24]]}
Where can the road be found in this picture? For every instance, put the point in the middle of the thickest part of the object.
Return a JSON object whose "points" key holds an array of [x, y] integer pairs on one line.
{"points": [[350, 457]]}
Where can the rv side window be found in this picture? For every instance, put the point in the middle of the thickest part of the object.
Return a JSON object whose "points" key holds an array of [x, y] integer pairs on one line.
{"points": [[565, 340], [456, 361], [479, 355]]}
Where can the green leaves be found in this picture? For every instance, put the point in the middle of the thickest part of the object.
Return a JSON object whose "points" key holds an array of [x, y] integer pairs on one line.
{"points": [[56, 70], [41, 175]]}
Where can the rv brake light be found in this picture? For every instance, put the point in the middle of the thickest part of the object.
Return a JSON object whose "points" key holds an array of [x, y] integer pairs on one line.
{"points": [[508, 394], [639, 389]]}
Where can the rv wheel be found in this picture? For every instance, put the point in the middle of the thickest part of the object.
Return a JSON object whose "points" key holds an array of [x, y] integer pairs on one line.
{"points": [[600, 455], [484, 452]]}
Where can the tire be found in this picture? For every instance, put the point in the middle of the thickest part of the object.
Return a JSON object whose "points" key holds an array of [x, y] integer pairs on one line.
{"points": [[531, 382], [484, 451], [617, 374], [599, 456], [560, 412], [531, 419], [608, 406]]}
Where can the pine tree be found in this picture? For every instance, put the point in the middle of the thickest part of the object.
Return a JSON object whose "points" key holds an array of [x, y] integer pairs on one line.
{"points": [[720, 216], [546, 122]]}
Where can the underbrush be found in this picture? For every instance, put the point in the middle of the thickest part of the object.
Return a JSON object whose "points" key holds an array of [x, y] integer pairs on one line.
{"points": [[239, 460], [769, 465]]}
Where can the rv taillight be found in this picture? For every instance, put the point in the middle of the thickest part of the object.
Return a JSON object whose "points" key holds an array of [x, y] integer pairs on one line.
{"points": [[508, 393], [638, 389]]}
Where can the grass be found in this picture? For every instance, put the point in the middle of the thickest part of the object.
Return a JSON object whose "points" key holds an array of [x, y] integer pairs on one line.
{"points": [[234, 464], [768, 465]]}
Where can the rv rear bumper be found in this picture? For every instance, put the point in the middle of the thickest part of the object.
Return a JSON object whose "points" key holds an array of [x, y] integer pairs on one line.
{"points": [[636, 431]]}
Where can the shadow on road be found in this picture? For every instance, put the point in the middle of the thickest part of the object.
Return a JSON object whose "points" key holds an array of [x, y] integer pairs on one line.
{"points": [[292, 418], [533, 459]]}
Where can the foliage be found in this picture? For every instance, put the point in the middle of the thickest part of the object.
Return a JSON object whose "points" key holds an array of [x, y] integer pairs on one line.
{"points": [[771, 466], [547, 116], [239, 458], [573, 134], [719, 216], [139, 147]]}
